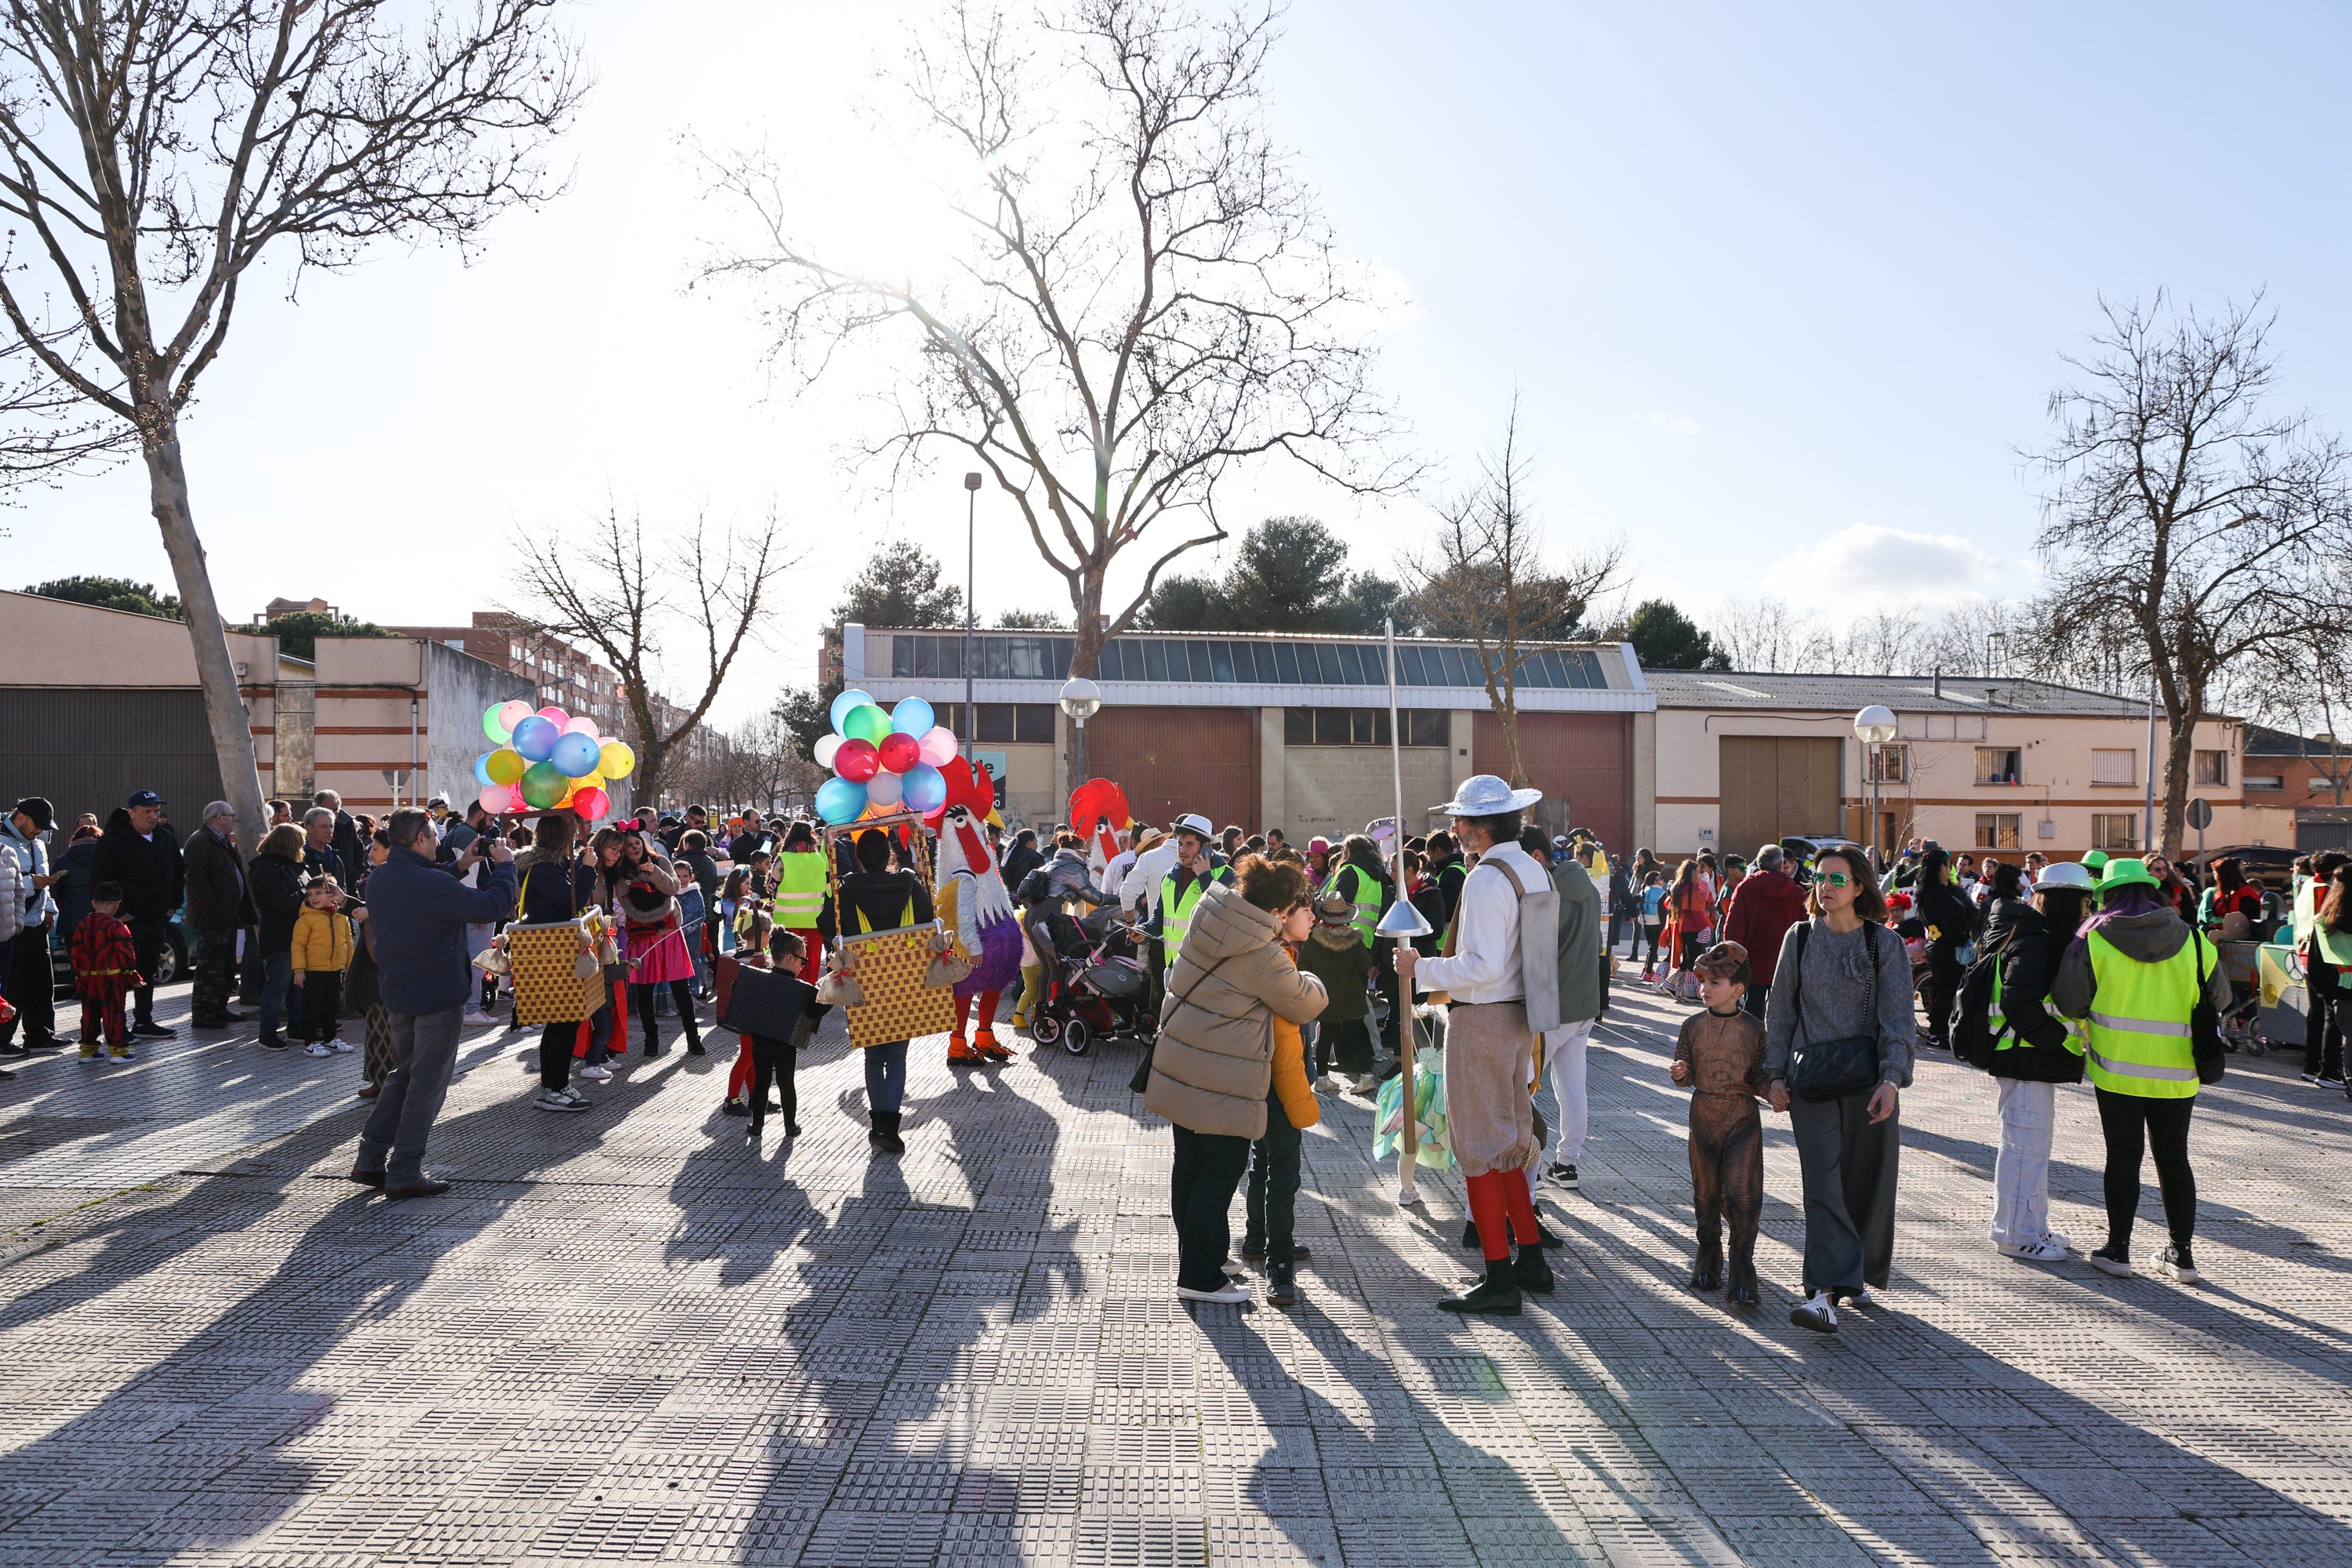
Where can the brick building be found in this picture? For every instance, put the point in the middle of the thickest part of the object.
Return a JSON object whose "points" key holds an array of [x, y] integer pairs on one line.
{"points": [[563, 675]]}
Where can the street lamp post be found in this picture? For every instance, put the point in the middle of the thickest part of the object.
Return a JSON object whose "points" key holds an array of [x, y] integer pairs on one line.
{"points": [[970, 725], [1081, 700], [1874, 727]]}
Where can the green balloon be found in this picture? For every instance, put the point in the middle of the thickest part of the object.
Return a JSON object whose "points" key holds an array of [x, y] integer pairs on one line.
{"points": [[543, 784], [867, 723]]}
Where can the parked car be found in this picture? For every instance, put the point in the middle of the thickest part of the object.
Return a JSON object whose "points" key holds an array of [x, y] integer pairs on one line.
{"points": [[1801, 849], [170, 966]]}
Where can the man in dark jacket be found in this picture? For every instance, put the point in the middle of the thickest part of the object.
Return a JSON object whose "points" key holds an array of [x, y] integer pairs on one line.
{"points": [[320, 858], [419, 914], [24, 834], [138, 852], [346, 841], [220, 904], [1767, 902]]}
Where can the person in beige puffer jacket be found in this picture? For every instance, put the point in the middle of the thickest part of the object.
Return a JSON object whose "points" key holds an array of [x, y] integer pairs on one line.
{"points": [[1213, 1064]]}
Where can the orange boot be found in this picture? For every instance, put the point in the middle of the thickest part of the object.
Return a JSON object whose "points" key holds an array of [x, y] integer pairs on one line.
{"points": [[960, 1049], [985, 1046]]}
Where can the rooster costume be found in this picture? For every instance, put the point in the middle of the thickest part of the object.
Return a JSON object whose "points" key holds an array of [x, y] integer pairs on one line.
{"points": [[970, 902], [1099, 815]]}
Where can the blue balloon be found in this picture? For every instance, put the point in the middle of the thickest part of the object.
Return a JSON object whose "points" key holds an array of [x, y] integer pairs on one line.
{"points": [[845, 704], [576, 755], [926, 789], [535, 738], [913, 716], [482, 769], [839, 801]]}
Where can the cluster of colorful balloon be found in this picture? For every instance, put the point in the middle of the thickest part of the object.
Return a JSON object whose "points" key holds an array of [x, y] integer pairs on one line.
{"points": [[882, 763], [548, 761]]}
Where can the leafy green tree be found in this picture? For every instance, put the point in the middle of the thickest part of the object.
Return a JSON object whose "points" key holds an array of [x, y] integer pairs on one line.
{"points": [[1289, 574], [298, 633], [900, 587], [1032, 621], [1665, 638], [112, 593]]}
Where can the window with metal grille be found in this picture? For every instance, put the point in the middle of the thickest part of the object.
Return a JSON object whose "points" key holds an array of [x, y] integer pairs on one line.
{"points": [[1998, 829], [1360, 726], [2117, 832], [2210, 769]]}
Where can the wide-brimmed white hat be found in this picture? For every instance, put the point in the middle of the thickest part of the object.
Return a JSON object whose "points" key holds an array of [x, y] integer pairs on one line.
{"points": [[1484, 794]]}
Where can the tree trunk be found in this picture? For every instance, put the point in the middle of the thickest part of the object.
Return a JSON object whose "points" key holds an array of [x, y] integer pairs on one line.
{"points": [[2180, 741], [225, 710], [1508, 711], [1086, 657]]}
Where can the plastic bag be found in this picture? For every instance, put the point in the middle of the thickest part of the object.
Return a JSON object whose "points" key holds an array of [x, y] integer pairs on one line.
{"points": [[1434, 1151]]}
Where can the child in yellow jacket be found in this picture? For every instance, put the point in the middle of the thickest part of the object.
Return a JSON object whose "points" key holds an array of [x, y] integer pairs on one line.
{"points": [[322, 951], [1273, 1159]]}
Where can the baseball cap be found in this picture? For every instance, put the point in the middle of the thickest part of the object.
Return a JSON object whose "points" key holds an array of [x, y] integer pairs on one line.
{"points": [[143, 797], [42, 813]]}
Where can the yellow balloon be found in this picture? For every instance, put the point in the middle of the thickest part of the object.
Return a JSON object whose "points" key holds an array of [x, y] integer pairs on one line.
{"points": [[616, 761], [506, 766], [588, 781]]}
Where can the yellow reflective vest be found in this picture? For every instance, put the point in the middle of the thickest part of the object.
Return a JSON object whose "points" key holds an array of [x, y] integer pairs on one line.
{"points": [[1176, 914], [1997, 1015], [2138, 1039], [799, 890], [1366, 898]]}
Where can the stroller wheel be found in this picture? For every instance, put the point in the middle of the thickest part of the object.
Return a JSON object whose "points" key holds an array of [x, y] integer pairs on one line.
{"points": [[1077, 1036], [1044, 1029], [2257, 1047]]}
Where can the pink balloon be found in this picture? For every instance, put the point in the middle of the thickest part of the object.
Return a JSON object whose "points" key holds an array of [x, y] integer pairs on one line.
{"points": [[900, 752], [937, 745], [590, 802], [513, 713], [856, 760], [556, 717], [500, 798], [581, 727]]}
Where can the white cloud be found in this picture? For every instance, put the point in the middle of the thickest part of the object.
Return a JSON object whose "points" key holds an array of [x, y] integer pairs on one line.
{"points": [[1672, 423], [1886, 563]]}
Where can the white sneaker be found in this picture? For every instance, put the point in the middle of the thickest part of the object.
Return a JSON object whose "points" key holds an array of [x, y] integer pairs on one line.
{"points": [[1233, 1295], [2058, 1241], [317, 1049], [2046, 1251], [1327, 1084], [595, 1071], [475, 1016], [1861, 1298], [558, 1100], [342, 1047], [1365, 1084], [1815, 1314]]}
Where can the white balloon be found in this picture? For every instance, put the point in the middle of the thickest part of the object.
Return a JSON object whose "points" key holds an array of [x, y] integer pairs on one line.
{"points": [[824, 749], [886, 788]]}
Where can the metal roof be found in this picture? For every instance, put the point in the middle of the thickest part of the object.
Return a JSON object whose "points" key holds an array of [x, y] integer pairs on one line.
{"points": [[1734, 689]]}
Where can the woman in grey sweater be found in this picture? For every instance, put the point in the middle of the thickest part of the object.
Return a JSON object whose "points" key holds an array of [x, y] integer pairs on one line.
{"points": [[1846, 1146]]}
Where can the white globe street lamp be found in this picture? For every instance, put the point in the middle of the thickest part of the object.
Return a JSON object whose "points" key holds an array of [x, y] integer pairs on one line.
{"points": [[1081, 700], [1874, 727]]}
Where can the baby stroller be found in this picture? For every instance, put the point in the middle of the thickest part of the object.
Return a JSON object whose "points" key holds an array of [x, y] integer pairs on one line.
{"points": [[1097, 986]]}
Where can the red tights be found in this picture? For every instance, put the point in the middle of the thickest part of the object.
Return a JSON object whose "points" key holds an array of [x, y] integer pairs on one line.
{"points": [[1494, 1196], [987, 1000]]}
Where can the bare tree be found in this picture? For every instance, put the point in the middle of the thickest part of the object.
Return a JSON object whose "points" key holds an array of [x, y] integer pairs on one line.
{"points": [[2306, 690], [155, 152], [1146, 295], [2186, 525], [1482, 579], [606, 592]]}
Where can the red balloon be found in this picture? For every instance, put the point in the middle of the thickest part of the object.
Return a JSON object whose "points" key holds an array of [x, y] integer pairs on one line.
{"points": [[900, 752], [857, 761]]}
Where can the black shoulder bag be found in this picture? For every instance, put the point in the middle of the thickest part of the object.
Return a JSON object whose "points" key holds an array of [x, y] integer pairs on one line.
{"points": [[1823, 1070], [2205, 1045]]}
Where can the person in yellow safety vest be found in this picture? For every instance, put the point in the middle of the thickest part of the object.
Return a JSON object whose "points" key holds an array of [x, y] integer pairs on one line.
{"points": [[2323, 1017], [2034, 1050], [1181, 889], [1362, 880], [2135, 977], [798, 898]]}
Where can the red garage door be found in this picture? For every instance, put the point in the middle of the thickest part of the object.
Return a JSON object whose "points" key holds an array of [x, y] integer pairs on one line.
{"points": [[1584, 759], [1174, 760]]}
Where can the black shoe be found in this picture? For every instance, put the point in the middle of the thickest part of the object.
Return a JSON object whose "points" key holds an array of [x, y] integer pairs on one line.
{"points": [[694, 1046], [1281, 1286], [1253, 1249], [47, 1043], [151, 1030], [1531, 1273], [736, 1108], [1706, 1274], [2175, 1263], [1497, 1293], [270, 1041], [422, 1187], [5, 1075], [234, 1017], [1546, 1239], [367, 1178], [1742, 1289], [885, 1136]]}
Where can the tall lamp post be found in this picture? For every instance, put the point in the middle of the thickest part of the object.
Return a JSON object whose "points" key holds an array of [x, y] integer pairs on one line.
{"points": [[1874, 727], [970, 727], [1081, 699]]}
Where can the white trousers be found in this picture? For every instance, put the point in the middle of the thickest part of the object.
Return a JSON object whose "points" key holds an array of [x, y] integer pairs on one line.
{"points": [[1564, 1050], [2021, 1172]]}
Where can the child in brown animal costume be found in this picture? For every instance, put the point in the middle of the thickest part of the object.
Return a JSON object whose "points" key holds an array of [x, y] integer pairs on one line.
{"points": [[1720, 1055]]}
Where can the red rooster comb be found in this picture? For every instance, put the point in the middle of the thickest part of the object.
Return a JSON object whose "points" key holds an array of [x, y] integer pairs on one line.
{"points": [[969, 787], [1099, 801]]}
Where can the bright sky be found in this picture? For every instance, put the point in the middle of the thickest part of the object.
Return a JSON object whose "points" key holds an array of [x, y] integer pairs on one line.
{"points": [[1783, 293]]}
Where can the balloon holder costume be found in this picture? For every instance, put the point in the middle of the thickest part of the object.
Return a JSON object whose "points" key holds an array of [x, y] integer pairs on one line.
{"points": [[972, 902]]}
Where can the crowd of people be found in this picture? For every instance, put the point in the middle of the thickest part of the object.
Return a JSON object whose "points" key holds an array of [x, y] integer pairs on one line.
{"points": [[1268, 987]]}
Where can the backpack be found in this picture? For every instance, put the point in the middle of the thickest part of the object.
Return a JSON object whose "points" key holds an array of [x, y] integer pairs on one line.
{"points": [[1971, 1034]]}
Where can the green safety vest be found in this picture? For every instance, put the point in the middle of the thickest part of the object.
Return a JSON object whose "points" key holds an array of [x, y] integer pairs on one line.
{"points": [[2307, 912], [1176, 914], [799, 890], [2334, 946], [2138, 1039], [1366, 898], [1997, 1017]]}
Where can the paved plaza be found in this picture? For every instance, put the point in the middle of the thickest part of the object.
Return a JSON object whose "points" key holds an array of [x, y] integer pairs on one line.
{"points": [[626, 1337]]}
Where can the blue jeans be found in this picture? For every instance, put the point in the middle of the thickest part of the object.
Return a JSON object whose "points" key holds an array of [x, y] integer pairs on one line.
{"points": [[885, 1076], [276, 975], [424, 1055]]}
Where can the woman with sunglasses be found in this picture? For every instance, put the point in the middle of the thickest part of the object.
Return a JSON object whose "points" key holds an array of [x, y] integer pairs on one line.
{"points": [[1843, 977]]}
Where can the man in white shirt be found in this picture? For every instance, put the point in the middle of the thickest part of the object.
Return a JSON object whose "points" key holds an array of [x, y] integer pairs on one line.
{"points": [[1138, 891], [1113, 877], [1489, 1049]]}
